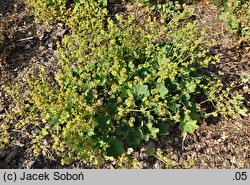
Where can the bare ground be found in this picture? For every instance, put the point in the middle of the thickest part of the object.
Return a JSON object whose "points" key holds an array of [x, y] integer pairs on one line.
{"points": [[216, 144]]}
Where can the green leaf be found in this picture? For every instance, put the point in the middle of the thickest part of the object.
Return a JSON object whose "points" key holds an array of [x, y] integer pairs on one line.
{"points": [[151, 151], [154, 132], [172, 85], [134, 138], [116, 148], [103, 2], [54, 121], [141, 90], [146, 137], [224, 16], [185, 100], [103, 119], [162, 89], [234, 23], [191, 87], [125, 91], [174, 107], [163, 59], [103, 124], [163, 127], [112, 107], [243, 111], [189, 126]]}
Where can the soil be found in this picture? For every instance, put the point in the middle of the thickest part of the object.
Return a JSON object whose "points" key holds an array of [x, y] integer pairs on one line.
{"points": [[220, 143]]}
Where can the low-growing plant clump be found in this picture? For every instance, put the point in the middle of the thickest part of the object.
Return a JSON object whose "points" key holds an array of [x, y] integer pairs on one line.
{"points": [[236, 14], [121, 82]]}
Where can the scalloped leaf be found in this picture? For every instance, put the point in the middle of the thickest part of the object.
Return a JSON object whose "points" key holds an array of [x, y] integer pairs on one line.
{"points": [[141, 90], [162, 89], [189, 126], [134, 138], [115, 148]]}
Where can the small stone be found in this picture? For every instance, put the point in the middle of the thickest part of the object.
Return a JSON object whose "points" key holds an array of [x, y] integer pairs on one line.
{"points": [[27, 47], [233, 160], [60, 25], [224, 136], [40, 34], [200, 11], [219, 140], [130, 151], [162, 21], [117, 15], [50, 44], [157, 165], [60, 32], [143, 153], [175, 157]]}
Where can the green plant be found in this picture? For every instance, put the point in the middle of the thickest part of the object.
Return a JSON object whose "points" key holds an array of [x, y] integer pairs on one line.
{"points": [[237, 14], [167, 161], [119, 84], [124, 161]]}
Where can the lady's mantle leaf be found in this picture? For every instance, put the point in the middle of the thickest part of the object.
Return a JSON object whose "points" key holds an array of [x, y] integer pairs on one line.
{"points": [[141, 90], [162, 90], [116, 148], [189, 126], [134, 138]]}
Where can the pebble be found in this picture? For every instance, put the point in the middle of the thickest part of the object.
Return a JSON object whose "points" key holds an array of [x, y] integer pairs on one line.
{"points": [[157, 165], [60, 24], [61, 32], [176, 140], [50, 44], [175, 158], [143, 153], [130, 151], [219, 140], [233, 160], [200, 11], [27, 47], [40, 34]]}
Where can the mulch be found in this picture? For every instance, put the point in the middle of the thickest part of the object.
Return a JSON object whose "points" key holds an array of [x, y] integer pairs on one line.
{"points": [[220, 143]]}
